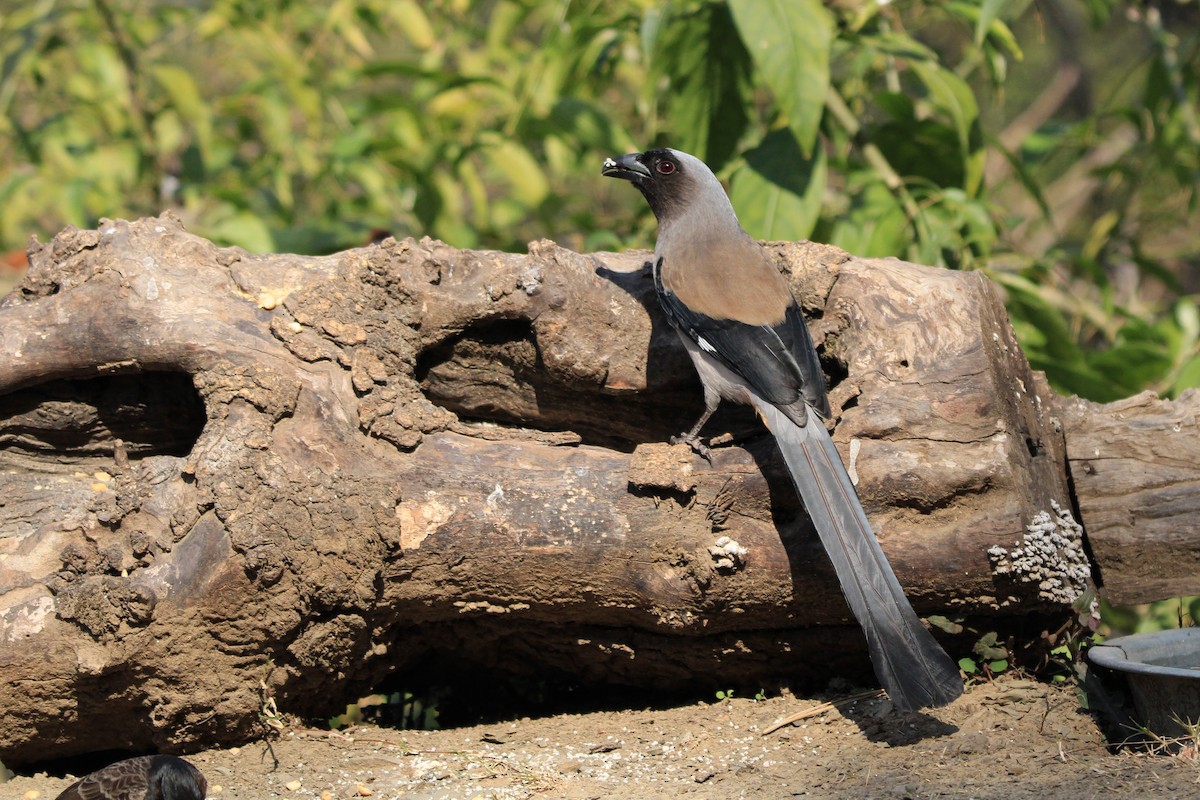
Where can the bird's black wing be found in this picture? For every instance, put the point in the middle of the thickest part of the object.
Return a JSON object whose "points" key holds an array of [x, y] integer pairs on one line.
{"points": [[779, 362]]}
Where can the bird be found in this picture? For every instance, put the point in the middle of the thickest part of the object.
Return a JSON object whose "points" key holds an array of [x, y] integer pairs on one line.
{"points": [[143, 778], [747, 339]]}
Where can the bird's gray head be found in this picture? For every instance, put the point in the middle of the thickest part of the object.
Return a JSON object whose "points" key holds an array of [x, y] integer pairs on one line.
{"points": [[674, 183]]}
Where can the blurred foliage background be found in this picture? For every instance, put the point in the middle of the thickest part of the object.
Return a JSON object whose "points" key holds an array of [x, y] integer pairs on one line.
{"points": [[1054, 145]]}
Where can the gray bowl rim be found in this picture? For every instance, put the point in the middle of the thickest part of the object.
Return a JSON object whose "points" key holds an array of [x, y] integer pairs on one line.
{"points": [[1112, 654]]}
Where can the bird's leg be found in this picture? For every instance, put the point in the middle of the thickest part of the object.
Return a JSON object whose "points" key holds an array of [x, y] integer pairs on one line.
{"points": [[692, 437]]}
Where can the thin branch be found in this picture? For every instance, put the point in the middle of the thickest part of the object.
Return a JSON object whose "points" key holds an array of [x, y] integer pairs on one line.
{"points": [[815, 711]]}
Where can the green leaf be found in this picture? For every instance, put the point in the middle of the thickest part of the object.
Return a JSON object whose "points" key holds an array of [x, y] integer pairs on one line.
{"points": [[968, 665], [987, 648], [954, 97], [413, 22], [790, 42], [521, 170], [185, 99], [1188, 377], [988, 11], [777, 191], [10, 184], [875, 225], [709, 71], [244, 230], [1049, 342], [943, 623], [1100, 234], [1187, 317], [897, 44], [584, 121], [649, 29], [988, 23]]}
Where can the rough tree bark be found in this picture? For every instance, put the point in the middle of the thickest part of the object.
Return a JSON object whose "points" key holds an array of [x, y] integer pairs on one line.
{"points": [[226, 474], [1135, 466]]}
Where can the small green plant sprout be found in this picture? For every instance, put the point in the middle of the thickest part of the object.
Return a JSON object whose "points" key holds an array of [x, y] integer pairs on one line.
{"points": [[991, 658], [269, 715], [1064, 659], [724, 694], [1066, 646], [268, 712], [760, 695]]}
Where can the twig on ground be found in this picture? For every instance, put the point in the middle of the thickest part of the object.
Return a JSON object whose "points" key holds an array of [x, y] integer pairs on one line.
{"points": [[821, 709]]}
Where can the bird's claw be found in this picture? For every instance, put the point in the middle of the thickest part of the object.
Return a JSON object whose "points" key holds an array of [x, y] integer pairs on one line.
{"points": [[693, 441]]}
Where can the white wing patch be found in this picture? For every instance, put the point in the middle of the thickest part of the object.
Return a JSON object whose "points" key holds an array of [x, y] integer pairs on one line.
{"points": [[704, 345]]}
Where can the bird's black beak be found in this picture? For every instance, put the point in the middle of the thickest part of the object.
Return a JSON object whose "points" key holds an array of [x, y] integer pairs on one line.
{"points": [[627, 167]]}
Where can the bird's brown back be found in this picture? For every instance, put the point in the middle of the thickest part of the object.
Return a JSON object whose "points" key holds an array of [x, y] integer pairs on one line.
{"points": [[726, 278]]}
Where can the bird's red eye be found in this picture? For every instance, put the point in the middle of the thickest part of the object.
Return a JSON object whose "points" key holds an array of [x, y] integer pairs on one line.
{"points": [[665, 167]]}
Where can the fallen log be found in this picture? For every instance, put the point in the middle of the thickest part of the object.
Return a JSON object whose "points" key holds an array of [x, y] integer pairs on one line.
{"points": [[227, 474], [1136, 472]]}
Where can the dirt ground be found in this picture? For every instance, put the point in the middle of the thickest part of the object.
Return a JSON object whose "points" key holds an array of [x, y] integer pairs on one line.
{"points": [[1011, 739]]}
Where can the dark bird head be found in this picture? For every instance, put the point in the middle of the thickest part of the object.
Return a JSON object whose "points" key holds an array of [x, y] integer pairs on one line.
{"points": [[681, 190], [668, 178], [175, 779]]}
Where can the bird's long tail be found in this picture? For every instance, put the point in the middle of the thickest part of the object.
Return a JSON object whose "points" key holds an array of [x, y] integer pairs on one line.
{"points": [[911, 665]]}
